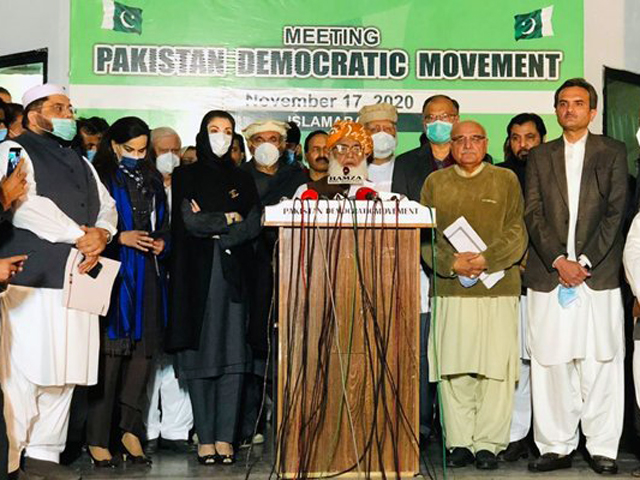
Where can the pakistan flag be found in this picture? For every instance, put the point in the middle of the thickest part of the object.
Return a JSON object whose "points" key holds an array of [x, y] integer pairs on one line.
{"points": [[121, 18], [536, 24]]}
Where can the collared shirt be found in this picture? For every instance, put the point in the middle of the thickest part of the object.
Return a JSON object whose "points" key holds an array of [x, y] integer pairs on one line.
{"points": [[574, 161], [381, 175]]}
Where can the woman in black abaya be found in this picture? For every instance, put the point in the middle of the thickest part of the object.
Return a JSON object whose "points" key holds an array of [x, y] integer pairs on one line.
{"points": [[215, 217]]}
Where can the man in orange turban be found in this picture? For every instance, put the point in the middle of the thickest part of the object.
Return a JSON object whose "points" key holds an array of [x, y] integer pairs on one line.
{"points": [[349, 146]]}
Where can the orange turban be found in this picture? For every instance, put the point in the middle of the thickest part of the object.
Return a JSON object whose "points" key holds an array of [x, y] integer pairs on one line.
{"points": [[353, 130]]}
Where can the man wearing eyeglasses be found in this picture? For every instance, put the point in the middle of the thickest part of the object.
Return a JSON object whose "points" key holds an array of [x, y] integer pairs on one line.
{"points": [[576, 193], [473, 344], [47, 348]]}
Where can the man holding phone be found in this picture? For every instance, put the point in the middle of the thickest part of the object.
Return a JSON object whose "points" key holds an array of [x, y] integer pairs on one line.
{"points": [[52, 348]]}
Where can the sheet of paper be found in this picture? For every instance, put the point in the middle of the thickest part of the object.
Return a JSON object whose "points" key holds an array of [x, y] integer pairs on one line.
{"points": [[465, 239], [83, 292]]}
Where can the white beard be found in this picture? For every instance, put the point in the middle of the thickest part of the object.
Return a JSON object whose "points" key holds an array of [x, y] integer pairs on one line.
{"points": [[355, 175]]}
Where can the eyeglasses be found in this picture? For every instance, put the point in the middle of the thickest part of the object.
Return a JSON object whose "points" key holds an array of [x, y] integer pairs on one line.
{"points": [[444, 117], [61, 109], [461, 140], [345, 149]]}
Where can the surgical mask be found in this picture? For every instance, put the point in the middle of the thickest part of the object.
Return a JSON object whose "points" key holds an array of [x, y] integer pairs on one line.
{"points": [[638, 135], [3, 133], [166, 162], [439, 131], [467, 282], [91, 155], [220, 143], [267, 154], [130, 162], [64, 128], [384, 144], [567, 296]]}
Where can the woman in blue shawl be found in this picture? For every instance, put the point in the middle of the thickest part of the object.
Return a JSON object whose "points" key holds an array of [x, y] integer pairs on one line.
{"points": [[132, 329]]}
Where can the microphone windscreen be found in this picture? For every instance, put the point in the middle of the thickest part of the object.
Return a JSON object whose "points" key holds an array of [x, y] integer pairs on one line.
{"points": [[366, 193], [309, 194]]}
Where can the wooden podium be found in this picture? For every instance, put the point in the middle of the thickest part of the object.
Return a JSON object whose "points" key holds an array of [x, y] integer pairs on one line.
{"points": [[348, 341]]}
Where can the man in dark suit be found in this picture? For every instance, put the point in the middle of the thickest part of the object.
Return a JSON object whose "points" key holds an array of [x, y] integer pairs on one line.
{"points": [[439, 113], [576, 192]]}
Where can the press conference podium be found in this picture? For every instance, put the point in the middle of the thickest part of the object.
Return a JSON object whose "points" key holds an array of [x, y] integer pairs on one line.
{"points": [[348, 337]]}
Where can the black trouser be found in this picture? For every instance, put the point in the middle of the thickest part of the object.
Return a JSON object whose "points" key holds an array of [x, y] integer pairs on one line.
{"points": [[427, 389], [216, 404], [4, 441], [130, 374]]}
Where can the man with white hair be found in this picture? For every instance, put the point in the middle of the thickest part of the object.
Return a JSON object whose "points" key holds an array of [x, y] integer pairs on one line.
{"points": [[46, 348], [169, 417]]}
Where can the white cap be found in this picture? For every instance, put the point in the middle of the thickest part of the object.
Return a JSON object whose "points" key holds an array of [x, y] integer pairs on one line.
{"points": [[42, 91], [265, 126]]}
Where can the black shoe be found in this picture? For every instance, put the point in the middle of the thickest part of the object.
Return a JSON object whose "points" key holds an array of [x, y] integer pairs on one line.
{"points": [[128, 457], [460, 457], [486, 460], [515, 451], [177, 446], [602, 464], [207, 460], [151, 446], [50, 470], [549, 462], [101, 463], [226, 459]]}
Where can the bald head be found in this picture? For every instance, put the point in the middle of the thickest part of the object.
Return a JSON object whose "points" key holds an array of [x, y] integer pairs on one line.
{"points": [[469, 144], [468, 125]]}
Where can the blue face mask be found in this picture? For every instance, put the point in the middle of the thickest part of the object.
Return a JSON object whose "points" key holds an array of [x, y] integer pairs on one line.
{"points": [[467, 282], [64, 128], [567, 296], [129, 162], [3, 133], [439, 131], [91, 154], [291, 157]]}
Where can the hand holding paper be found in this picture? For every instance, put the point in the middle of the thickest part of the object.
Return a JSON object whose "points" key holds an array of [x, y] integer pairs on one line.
{"points": [[465, 239]]}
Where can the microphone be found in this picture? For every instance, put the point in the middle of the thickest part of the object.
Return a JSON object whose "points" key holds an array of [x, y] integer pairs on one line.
{"points": [[366, 193], [309, 194]]}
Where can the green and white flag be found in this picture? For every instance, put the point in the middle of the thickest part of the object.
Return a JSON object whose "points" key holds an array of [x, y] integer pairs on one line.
{"points": [[536, 24], [121, 18]]}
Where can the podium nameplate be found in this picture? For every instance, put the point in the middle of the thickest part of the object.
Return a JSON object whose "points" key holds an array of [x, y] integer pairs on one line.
{"points": [[345, 213]]}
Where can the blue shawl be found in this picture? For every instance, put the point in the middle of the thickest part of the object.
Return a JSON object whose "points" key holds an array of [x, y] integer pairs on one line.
{"points": [[125, 317]]}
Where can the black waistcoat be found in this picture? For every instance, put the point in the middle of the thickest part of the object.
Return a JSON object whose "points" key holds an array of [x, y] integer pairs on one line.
{"points": [[64, 177]]}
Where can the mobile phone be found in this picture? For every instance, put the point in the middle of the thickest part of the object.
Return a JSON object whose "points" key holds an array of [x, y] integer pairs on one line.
{"points": [[14, 159], [95, 271]]}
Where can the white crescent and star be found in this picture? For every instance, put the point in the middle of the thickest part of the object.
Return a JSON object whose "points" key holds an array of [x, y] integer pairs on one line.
{"points": [[533, 27], [124, 21]]}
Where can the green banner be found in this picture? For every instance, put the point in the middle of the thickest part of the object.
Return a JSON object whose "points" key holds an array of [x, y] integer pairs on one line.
{"points": [[315, 62]]}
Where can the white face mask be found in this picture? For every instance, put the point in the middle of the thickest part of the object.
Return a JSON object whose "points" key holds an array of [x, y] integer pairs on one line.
{"points": [[384, 144], [220, 143], [638, 135], [166, 162], [267, 154]]}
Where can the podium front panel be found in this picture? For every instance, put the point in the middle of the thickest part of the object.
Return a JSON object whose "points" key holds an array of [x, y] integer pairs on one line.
{"points": [[348, 366]]}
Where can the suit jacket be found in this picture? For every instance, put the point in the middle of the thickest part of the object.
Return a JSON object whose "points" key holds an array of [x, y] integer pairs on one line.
{"points": [[601, 212]]}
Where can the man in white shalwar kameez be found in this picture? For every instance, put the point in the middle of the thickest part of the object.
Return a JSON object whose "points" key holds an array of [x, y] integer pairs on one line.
{"points": [[46, 349], [575, 201]]}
